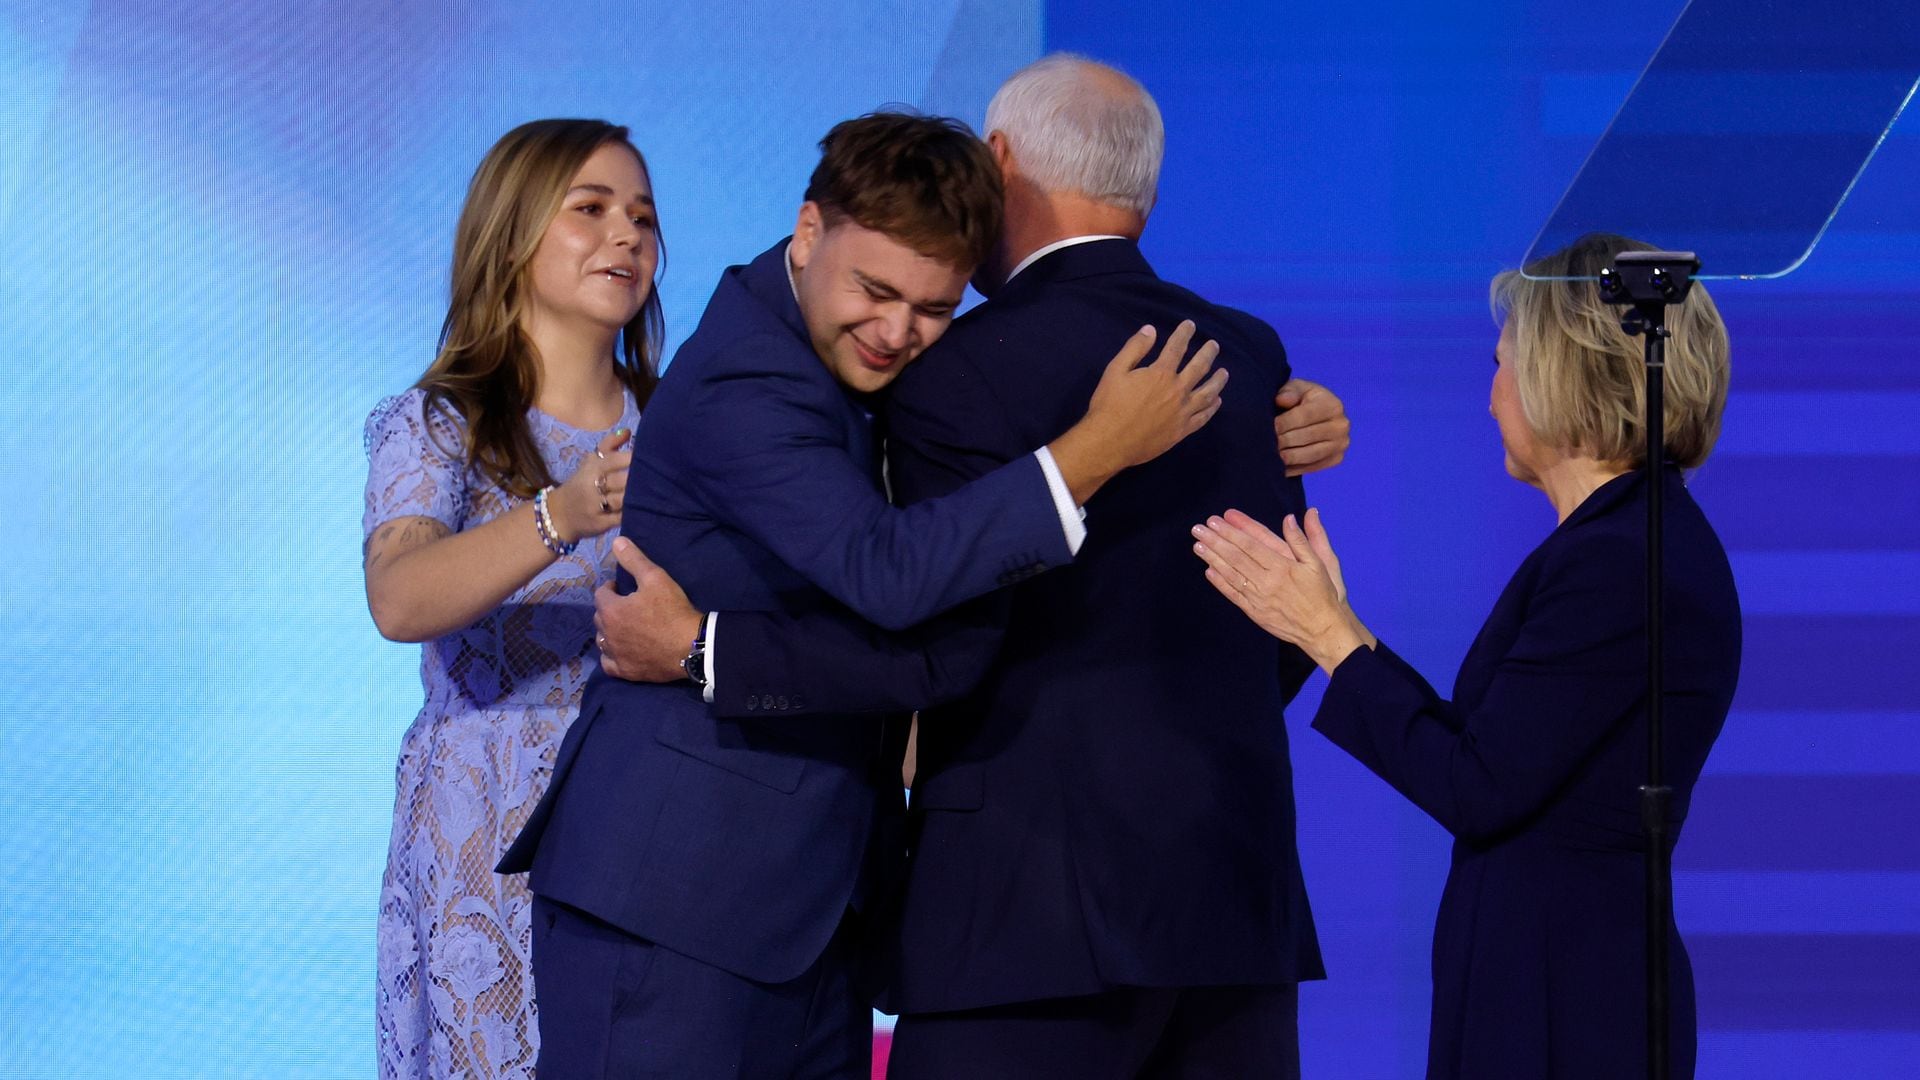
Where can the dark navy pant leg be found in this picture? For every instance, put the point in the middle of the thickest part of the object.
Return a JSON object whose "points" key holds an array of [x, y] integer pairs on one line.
{"points": [[582, 968], [1230, 1033], [614, 1006]]}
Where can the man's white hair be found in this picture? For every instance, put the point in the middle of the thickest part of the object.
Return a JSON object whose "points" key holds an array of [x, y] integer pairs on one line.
{"points": [[1079, 126]]}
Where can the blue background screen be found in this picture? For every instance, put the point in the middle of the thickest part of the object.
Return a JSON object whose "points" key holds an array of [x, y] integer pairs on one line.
{"points": [[225, 233]]}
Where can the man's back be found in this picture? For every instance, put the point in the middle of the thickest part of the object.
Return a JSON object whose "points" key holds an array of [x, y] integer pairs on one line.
{"points": [[1112, 805]]}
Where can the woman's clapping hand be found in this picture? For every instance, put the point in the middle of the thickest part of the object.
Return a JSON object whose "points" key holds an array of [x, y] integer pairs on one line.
{"points": [[1290, 585]]}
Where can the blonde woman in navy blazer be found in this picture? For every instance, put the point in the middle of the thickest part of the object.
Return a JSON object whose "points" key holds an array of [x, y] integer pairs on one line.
{"points": [[1534, 764]]}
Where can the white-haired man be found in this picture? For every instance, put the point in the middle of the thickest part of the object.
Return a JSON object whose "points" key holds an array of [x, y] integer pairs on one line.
{"points": [[1103, 881]]}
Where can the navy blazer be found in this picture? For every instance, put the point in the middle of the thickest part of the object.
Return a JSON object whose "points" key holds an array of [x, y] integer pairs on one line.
{"points": [[1111, 804], [1539, 962], [755, 483]]}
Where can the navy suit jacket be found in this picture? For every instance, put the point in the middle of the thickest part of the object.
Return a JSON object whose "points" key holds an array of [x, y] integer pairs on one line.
{"points": [[1535, 766], [1111, 804], [755, 483]]}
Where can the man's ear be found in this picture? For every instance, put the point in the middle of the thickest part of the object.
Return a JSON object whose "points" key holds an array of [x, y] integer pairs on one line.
{"points": [[1002, 151], [807, 231]]}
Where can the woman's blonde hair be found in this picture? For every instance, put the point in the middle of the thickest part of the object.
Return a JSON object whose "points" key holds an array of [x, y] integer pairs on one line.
{"points": [[1582, 378], [485, 371]]}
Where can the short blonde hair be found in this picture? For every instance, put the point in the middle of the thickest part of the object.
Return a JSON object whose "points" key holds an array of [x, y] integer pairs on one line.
{"points": [[1582, 378]]}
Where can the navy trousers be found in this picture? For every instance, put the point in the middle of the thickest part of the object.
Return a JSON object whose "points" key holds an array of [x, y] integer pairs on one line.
{"points": [[617, 1007], [1192, 1033]]}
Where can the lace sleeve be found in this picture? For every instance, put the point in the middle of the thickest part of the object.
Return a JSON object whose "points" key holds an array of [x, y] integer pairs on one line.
{"points": [[413, 468]]}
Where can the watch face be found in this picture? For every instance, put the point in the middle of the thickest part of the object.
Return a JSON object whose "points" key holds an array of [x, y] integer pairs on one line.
{"points": [[695, 665]]}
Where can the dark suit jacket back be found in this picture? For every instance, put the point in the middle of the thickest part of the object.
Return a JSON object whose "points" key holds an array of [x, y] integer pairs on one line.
{"points": [[1113, 805]]}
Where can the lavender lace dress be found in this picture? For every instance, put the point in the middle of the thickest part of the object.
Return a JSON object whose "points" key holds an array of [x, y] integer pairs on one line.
{"points": [[455, 996]]}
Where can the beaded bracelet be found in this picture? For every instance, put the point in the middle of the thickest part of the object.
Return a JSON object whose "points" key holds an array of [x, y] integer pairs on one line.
{"points": [[543, 521]]}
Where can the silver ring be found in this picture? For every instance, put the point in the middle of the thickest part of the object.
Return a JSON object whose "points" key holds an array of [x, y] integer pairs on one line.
{"points": [[604, 508], [601, 640], [600, 484], [601, 454]]}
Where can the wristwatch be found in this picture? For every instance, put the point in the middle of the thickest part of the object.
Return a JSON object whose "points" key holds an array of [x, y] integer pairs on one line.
{"points": [[695, 664]]}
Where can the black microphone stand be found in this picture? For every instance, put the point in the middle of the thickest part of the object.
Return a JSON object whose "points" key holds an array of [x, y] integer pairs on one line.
{"points": [[1651, 281]]}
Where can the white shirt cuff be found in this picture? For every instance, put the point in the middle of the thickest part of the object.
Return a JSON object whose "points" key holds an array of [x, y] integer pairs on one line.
{"points": [[1073, 519], [713, 620]]}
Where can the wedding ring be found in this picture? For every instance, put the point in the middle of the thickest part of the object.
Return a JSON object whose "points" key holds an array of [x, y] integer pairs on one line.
{"points": [[604, 508], [600, 484], [601, 640]]}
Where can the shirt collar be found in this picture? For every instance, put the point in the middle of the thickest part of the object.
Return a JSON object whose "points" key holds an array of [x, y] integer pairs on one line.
{"points": [[1056, 246]]}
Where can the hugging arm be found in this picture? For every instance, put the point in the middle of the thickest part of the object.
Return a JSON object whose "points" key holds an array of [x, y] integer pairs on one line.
{"points": [[947, 430], [781, 468], [783, 465]]}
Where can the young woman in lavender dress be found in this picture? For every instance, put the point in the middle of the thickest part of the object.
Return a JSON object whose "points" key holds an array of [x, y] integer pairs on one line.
{"points": [[492, 490]]}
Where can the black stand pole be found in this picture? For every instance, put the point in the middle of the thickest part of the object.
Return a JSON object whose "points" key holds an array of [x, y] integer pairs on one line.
{"points": [[1651, 281]]}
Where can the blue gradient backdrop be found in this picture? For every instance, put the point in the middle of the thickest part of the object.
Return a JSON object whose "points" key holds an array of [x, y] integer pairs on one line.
{"points": [[225, 230]]}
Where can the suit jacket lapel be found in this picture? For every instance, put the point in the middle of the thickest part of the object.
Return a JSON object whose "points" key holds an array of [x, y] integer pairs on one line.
{"points": [[767, 286]]}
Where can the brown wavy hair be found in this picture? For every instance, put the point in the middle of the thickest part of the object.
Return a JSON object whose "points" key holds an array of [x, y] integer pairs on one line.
{"points": [[485, 371], [926, 181]]}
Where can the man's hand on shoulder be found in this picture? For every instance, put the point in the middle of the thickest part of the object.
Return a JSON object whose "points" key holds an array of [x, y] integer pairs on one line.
{"points": [[645, 634], [1312, 427]]}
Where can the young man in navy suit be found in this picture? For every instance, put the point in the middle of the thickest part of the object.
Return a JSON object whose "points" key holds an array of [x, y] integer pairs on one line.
{"points": [[1103, 879], [696, 883]]}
